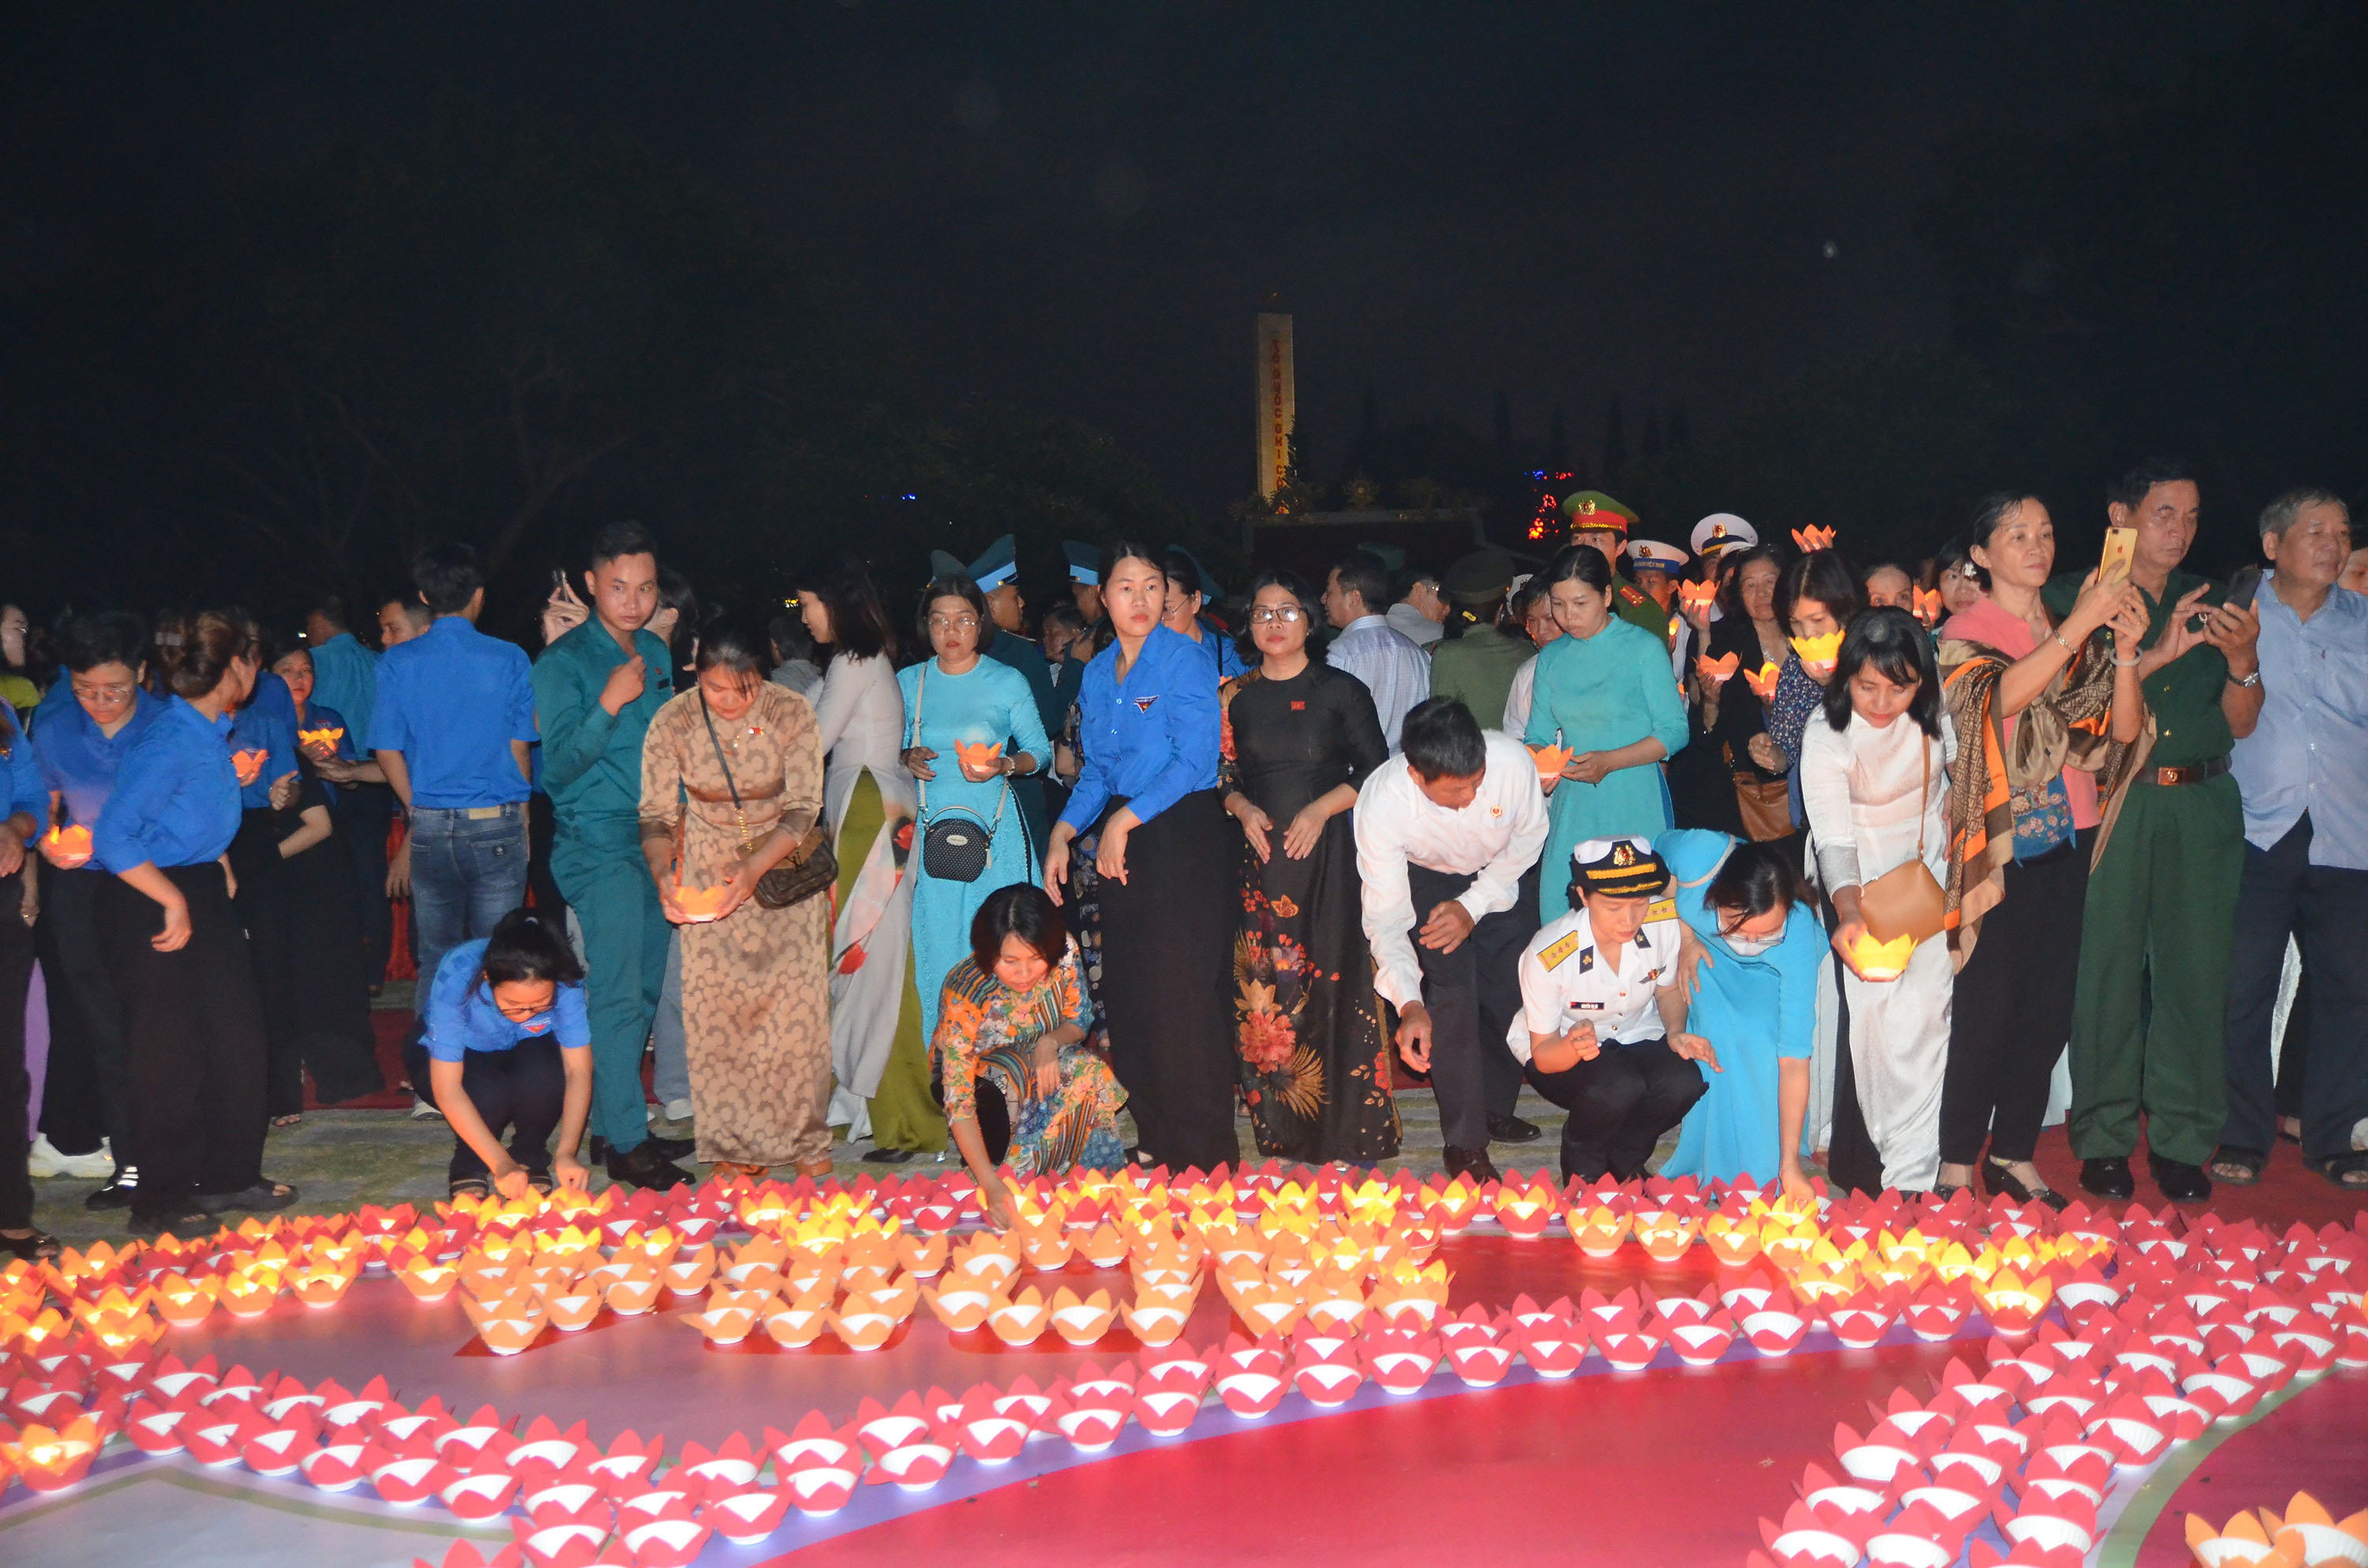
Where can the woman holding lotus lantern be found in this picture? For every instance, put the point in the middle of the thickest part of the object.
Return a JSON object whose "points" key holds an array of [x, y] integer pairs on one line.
{"points": [[971, 727], [732, 780], [1606, 701], [1875, 780], [1734, 682]]}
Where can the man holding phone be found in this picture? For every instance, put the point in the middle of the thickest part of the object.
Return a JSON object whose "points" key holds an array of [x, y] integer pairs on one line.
{"points": [[2149, 1010]]}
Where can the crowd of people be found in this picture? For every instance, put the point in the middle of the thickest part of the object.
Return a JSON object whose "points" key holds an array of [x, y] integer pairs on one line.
{"points": [[1806, 863]]}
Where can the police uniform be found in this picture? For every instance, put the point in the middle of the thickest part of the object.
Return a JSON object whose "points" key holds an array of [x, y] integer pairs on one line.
{"points": [[1636, 1087], [1593, 509]]}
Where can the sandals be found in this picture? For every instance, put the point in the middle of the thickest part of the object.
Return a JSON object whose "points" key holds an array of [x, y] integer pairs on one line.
{"points": [[470, 1187], [36, 1245], [280, 1122], [187, 1224], [2237, 1168], [263, 1198], [2349, 1172]]}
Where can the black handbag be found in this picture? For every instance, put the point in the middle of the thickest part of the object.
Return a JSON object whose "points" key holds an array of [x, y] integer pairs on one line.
{"points": [[956, 844], [805, 870]]}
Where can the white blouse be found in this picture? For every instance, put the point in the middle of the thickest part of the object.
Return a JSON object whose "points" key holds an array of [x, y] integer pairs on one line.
{"points": [[862, 714], [1868, 797]]}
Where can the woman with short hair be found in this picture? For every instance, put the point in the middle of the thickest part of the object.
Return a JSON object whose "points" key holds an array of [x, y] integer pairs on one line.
{"points": [[509, 1051], [1023, 1096], [732, 780], [175, 945]]}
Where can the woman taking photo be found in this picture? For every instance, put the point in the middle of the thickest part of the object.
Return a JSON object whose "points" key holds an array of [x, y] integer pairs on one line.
{"points": [[876, 1046], [86, 725], [1604, 692], [1732, 713], [971, 727], [1148, 723], [1755, 1000], [175, 948], [756, 989], [2044, 712], [1875, 780], [1300, 737], [1023, 1096], [509, 1050]]}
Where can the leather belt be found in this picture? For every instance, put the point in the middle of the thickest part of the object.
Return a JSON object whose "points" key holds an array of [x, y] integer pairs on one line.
{"points": [[2192, 773]]}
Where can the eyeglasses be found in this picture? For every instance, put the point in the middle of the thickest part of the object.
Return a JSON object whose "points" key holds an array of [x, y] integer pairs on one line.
{"points": [[102, 693], [959, 623], [1290, 615]]}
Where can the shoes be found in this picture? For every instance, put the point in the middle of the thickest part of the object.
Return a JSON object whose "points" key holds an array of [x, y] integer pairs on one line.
{"points": [[1471, 1163], [888, 1156], [44, 1160], [663, 1148], [1996, 1178], [672, 1120], [2109, 1176], [422, 1110], [673, 1110], [646, 1166], [121, 1191], [263, 1198], [1512, 1129], [2180, 1182]]}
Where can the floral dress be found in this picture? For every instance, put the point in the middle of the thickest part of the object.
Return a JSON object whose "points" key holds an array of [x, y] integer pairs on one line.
{"points": [[1314, 1063], [987, 1032]]}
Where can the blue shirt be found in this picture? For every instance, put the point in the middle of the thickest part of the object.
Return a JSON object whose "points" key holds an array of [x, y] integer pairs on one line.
{"points": [[462, 1015], [451, 700], [25, 790], [175, 798], [78, 760], [1152, 738], [320, 715], [2309, 750], [267, 724], [345, 675]]}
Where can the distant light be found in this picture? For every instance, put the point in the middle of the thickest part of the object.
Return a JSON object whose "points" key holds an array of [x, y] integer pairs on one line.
{"points": [[1831, 250], [911, 498]]}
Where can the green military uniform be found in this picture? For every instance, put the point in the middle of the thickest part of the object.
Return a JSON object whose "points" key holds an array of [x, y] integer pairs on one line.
{"points": [[1028, 791], [1593, 509], [592, 770], [2150, 1013], [1477, 670]]}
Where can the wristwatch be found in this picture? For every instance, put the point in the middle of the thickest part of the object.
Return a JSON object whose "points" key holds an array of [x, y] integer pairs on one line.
{"points": [[2249, 682]]}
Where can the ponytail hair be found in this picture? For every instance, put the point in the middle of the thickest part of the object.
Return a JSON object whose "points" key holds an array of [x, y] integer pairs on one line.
{"points": [[524, 947], [194, 651]]}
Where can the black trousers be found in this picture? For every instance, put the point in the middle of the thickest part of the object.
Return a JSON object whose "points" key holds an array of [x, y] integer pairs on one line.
{"points": [[88, 1093], [363, 815], [2013, 1008], [2325, 909], [1619, 1104], [1474, 995], [195, 1025], [1167, 934], [520, 1091], [16, 1083]]}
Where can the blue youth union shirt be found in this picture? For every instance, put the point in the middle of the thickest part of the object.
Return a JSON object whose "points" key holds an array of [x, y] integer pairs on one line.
{"points": [[175, 799], [462, 1015], [1152, 738], [451, 700], [78, 761]]}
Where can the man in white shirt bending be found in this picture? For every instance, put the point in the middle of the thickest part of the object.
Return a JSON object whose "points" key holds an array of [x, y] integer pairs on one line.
{"points": [[1602, 1027], [1444, 832], [1396, 671]]}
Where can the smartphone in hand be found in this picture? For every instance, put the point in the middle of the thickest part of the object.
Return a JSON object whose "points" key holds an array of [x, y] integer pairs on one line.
{"points": [[2121, 550], [2243, 587]]}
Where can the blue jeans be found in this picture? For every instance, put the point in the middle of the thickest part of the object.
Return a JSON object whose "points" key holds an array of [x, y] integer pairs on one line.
{"points": [[468, 870]]}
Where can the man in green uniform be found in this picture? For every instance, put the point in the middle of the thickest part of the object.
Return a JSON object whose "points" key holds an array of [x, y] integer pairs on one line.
{"points": [[2149, 1016], [1476, 664], [996, 572], [1597, 520], [596, 690]]}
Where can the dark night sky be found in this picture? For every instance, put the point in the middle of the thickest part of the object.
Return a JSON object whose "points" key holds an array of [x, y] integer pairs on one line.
{"points": [[1079, 208]]}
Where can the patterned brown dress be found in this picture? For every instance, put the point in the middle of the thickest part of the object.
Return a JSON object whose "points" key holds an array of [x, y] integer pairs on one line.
{"points": [[755, 990]]}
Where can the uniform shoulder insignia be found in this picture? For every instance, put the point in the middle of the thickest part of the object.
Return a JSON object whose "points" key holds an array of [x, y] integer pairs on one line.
{"points": [[1560, 950], [1587, 960], [1661, 909], [1642, 944], [1629, 595]]}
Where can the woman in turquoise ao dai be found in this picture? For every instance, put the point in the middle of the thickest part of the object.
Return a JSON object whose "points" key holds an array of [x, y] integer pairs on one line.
{"points": [[1604, 691], [953, 700], [1755, 1000]]}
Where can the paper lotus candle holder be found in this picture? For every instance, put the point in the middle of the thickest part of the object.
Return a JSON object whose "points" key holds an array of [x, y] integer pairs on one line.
{"points": [[48, 1461], [1926, 606], [701, 905], [963, 1302], [1696, 597], [248, 765], [326, 736], [1601, 1231], [1716, 673], [1021, 1319], [1880, 961], [68, 847], [796, 1324], [1818, 655], [1763, 681], [980, 757], [859, 1326], [1813, 539], [1551, 759], [1082, 1322], [1157, 1319]]}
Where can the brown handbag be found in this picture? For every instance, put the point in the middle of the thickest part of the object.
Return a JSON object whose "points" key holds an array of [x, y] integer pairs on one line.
{"points": [[1906, 901], [1766, 803], [805, 870]]}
